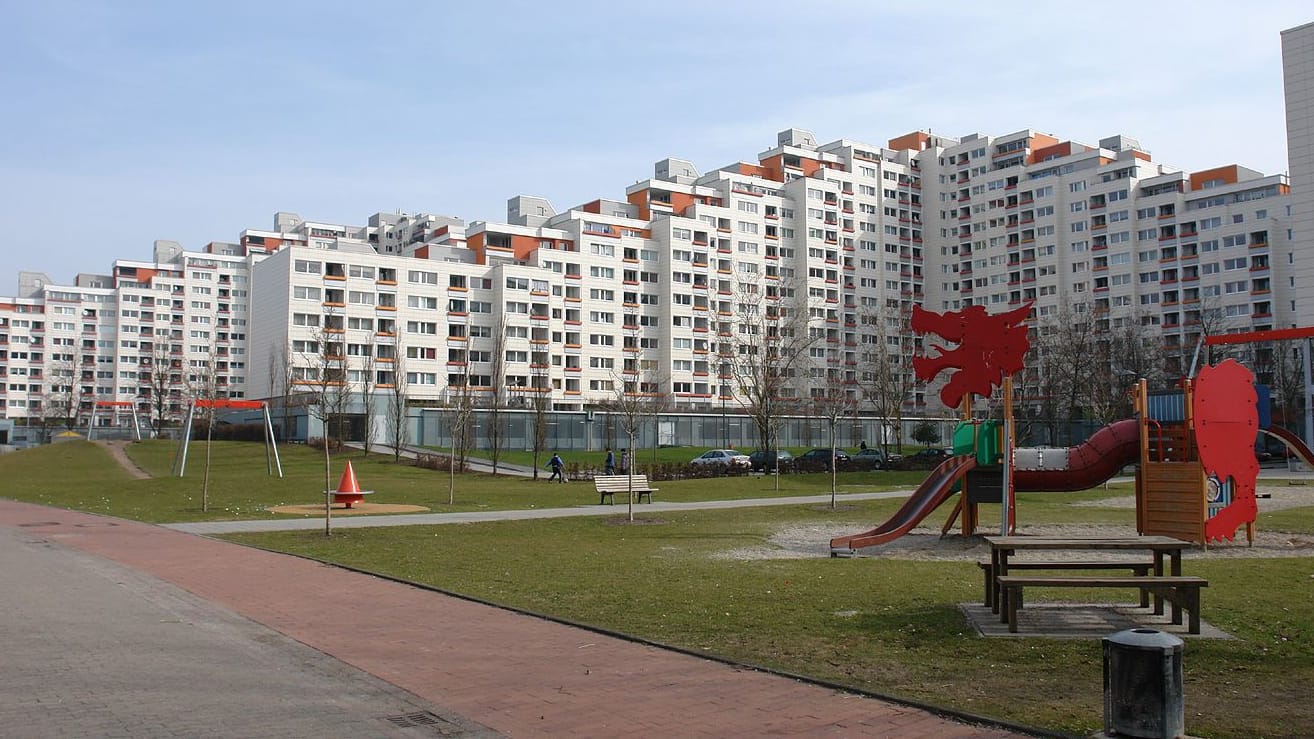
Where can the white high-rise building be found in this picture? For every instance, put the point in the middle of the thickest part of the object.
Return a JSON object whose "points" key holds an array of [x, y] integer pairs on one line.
{"points": [[1298, 80], [660, 292]]}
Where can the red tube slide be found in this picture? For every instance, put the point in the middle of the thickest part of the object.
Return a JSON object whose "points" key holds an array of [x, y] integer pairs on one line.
{"points": [[1091, 463]]}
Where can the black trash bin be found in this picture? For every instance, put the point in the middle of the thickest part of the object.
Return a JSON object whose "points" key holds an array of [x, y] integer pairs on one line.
{"points": [[1143, 685]]}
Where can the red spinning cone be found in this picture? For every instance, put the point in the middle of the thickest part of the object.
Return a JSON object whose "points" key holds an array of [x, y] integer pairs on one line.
{"points": [[349, 492], [348, 483]]}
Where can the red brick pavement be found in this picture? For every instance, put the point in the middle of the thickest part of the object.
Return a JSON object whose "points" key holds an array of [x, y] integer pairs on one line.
{"points": [[516, 674]]}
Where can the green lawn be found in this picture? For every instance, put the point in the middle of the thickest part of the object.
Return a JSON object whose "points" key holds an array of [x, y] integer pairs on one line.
{"points": [[241, 488], [886, 625]]}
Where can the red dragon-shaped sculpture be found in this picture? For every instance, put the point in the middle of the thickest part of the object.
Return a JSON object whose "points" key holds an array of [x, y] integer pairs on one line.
{"points": [[989, 348], [1225, 420]]}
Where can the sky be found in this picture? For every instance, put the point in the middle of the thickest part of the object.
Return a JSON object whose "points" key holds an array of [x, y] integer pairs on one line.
{"points": [[125, 122]]}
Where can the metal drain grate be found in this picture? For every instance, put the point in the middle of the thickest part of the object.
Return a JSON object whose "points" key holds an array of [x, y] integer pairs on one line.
{"points": [[426, 719]]}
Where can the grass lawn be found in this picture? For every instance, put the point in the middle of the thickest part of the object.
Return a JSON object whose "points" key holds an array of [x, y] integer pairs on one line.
{"points": [[82, 475], [885, 625]]}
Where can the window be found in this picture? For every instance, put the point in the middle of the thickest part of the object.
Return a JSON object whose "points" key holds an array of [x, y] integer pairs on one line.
{"points": [[422, 278], [422, 301], [307, 267]]}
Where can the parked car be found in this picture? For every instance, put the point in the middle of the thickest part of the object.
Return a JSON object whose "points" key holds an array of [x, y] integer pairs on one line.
{"points": [[925, 459], [722, 457], [761, 460], [870, 459], [819, 459]]}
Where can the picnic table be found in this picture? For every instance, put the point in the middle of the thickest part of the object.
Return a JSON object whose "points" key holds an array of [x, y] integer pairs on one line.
{"points": [[1166, 578]]}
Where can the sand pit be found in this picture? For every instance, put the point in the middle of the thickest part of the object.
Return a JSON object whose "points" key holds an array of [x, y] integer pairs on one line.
{"points": [[360, 509]]}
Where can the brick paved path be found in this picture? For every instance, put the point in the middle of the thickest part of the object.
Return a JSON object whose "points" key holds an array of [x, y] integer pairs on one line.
{"points": [[516, 674]]}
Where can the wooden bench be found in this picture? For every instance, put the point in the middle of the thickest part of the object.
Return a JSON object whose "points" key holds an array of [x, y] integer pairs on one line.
{"points": [[1140, 569], [1182, 591], [609, 485]]}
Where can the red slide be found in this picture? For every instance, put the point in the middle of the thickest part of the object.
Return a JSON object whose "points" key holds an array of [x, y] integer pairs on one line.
{"points": [[934, 490], [1091, 463], [1293, 442]]}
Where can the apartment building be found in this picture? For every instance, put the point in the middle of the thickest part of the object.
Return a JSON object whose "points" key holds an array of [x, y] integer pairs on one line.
{"points": [[149, 334], [1104, 229], [1298, 82], [663, 291]]}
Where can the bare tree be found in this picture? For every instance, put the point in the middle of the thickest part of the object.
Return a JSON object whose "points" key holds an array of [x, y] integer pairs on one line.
{"points": [[204, 390], [1064, 352], [164, 382], [540, 403], [775, 335], [1284, 367], [460, 415], [283, 380], [885, 376], [328, 394], [368, 389], [62, 401], [636, 399], [495, 424], [398, 427], [832, 397]]}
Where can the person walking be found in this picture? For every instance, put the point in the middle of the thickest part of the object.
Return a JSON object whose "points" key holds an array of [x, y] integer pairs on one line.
{"points": [[625, 461], [558, 468], [609, 466]]}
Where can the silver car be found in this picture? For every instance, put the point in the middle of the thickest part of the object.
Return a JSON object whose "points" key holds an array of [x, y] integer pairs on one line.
{"points": [[724, 457]]}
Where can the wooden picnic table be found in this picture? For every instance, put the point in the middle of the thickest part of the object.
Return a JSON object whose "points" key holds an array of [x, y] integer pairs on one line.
{"points": [[1004, 547]]}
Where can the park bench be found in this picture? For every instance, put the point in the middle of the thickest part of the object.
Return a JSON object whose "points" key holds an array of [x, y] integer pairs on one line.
{"points": [[1139, 568], [609, 485], [1182, 591]]}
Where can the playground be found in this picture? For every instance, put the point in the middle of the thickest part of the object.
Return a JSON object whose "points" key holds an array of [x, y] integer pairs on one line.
{"points": [[756, 585]]}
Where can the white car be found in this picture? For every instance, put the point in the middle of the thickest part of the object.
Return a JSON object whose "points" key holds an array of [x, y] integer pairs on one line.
{"points": [[726, 457]]}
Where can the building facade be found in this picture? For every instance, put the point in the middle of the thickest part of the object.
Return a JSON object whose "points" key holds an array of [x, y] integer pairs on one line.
{"points": [[676, 290]]}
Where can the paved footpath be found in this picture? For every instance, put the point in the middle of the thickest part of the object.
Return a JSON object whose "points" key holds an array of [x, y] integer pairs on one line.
{"points": [[117, 628]]}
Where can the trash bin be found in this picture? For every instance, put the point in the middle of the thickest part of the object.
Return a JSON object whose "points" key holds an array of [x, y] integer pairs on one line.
{"points": [[1143, 684]]}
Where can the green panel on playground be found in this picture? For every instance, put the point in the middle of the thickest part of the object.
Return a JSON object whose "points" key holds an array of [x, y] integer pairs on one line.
{"points": [[979, 438]]}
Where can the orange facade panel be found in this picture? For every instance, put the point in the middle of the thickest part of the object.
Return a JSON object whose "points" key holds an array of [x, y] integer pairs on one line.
{"points": [[523, 246], [1053, 151], [1041, 141], [916, 141], [1227, 175], [593, 207], [639, 199]]}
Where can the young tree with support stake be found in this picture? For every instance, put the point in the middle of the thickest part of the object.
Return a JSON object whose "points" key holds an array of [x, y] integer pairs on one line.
{"points": [[329, 394], [495, 430], [398, 428], [832, 397]]}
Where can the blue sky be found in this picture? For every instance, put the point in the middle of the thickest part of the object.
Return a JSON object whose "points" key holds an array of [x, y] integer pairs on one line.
{"points": [[126, 122]]}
